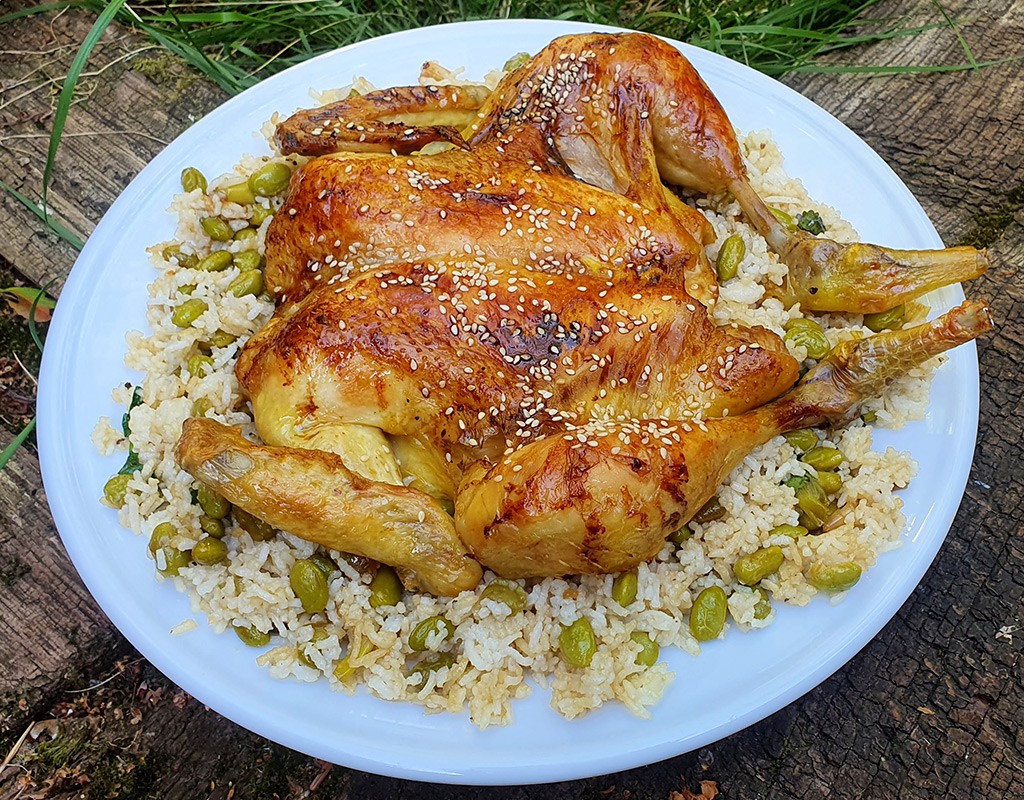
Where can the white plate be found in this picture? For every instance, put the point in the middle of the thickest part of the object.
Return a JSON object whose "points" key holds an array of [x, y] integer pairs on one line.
{"points": [[736, 682]]}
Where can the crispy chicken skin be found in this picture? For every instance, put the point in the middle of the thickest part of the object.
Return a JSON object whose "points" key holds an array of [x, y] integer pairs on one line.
{"points": [[508, 199]]}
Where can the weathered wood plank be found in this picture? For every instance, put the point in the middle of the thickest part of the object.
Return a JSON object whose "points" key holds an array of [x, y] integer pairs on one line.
{"points": [[957, 140]]}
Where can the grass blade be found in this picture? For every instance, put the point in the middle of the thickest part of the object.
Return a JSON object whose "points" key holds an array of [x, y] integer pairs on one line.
{"points": [[55, 226], [67, 91], [16, 442]]}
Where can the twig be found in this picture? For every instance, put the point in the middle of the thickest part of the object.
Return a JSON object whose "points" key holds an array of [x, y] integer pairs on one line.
{"points": [[85, 133], [35, 381], [16, 748]]}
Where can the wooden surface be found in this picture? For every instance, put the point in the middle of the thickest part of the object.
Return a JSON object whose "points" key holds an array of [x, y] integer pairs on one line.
{"points": [[931, 707]]}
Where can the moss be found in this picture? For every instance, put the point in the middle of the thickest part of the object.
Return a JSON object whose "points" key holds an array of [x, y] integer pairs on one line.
{"points": [[60, 751], [123, 777], [170, 73], [990, 226]]}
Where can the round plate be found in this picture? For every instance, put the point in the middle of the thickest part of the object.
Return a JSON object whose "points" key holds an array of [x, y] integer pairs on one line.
{"points": [[734, 683]]}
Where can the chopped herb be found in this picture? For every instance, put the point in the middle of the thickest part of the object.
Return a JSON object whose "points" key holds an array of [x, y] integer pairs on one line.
{"points": [[132, 463], [811, 222], [796, 481]]}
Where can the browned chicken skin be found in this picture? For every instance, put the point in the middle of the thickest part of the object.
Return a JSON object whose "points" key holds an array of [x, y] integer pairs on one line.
{"points": [[510, 331]]}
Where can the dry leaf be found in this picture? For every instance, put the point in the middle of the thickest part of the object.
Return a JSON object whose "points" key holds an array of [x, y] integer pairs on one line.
{"points": [[708, 791], [20, 299]]}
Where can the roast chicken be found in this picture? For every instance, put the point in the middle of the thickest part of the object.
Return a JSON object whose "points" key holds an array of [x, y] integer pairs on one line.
{"points": [[499, 355]]}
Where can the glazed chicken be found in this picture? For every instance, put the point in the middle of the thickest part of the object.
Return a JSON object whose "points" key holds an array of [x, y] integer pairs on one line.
{"points": [[499, 355], [622, 112]]}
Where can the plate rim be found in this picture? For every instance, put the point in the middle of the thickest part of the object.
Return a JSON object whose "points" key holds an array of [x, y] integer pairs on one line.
{"points": [[51, 466]]}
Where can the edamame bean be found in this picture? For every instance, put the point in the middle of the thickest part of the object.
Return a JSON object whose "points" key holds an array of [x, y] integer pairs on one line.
{"points": [[217, 261], [710, 511], [431, 633], [885, 320], [343, 668], [260, 214], [162, 534], [115, 489], [222, 339], [212, 502], [320, 633], [385, 588], [188, 312], [730, 256], [869, 416], [707, 616], [187, 260], [433, 664], [251, 635], [209, 551], [754, 567], [577, 643], [810, 336], [782, 217], [823, 458], [246, 260], [624, 588], [217, 229], [649, 650], [309, 585], [324, 564], [792, 531], [211, 527], [803, 439], [270, 179], [830, 482], [244, 234], [200, 406], [681, 535], [763, 606], [239, 193], [814, 506], [199, 365], [192, 179], [257, 529], [834, 577], [515, 62], [248, 282], [508, 592]]}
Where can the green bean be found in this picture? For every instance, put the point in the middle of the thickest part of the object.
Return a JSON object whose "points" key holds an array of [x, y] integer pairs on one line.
{"points": [[192, 179], [212, 502], [813, 339], [792, 531], [385, 588], [823, 458], [217, 229], [115, 489], [246, 260], [814, 506], [834, 577], [248, 282], [252, 635], [754, 567], [217, 261], [309, 585], [885, 320], [209, 551], [763, 606], [432, 664], [211, 527], [270, 179], [257, 529], [199, 365], [508, 592], [730, 256], [707, 616], [431, 633], [830, 482], [323, 563], [260, 214], [649, 650], [188, 312], [681, 535], [624, 588], [239, 193], [577, 643], [803, 439]]}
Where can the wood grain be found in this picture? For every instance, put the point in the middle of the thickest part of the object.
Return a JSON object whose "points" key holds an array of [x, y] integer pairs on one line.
{"points": [[931, 707]]}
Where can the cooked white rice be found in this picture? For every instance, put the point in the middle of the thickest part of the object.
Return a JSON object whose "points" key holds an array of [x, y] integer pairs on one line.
{"points": [[495, 652]]}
